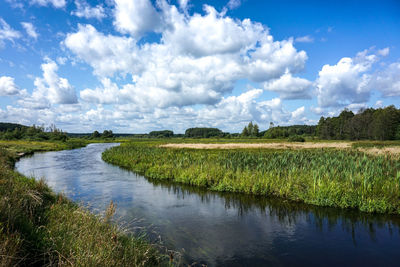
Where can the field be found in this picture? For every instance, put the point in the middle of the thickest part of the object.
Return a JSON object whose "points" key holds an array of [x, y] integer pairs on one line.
{"points": [[322, 174], [41, 228]]}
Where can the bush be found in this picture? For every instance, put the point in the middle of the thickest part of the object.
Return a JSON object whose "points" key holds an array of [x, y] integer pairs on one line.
{"points": [[296, 138]]}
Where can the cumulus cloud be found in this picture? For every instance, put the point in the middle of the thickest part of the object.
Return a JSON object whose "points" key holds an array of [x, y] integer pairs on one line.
{"points": [[109, 93], [30, 29], [7, 33], [304, 39], [107, 54], [49, 89], [346, 82], [54, 3], [7, 86], [183, 4], [84, 10], [197, 61], [289, 87], [136, 17], [387, 80]]}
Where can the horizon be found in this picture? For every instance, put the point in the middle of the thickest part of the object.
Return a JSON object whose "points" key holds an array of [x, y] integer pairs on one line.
{"points": [[141, 66]]}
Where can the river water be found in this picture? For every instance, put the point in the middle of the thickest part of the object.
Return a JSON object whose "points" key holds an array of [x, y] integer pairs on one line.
{"points": [[219, 229]]}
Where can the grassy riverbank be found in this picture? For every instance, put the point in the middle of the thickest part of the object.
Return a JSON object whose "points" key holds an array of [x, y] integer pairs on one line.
{"points": [[41, 228], [345, 178]]}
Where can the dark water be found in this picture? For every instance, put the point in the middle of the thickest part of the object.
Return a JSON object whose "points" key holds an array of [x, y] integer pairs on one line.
{"points": [[220, 229]]}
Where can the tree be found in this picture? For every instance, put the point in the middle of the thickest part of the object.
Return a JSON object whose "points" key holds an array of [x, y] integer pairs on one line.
{"points": [[107, 134], [203, 132], [245, 131], [371, 124], [256, 130], [161, 134], [250, 128], [96, 134], [271, 125]]}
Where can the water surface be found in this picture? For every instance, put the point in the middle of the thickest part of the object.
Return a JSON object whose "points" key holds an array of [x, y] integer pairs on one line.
{"points": [[219, 229]]}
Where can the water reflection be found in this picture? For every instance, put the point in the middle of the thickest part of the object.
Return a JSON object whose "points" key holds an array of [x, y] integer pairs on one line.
{"points": [[220, 228]]}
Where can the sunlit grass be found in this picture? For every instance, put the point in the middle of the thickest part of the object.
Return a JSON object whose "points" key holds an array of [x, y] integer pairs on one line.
{"points": [[41, 228], [326, 177]]}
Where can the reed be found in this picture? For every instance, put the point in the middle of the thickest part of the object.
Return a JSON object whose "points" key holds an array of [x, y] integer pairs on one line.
{"points": [[326, 177]]}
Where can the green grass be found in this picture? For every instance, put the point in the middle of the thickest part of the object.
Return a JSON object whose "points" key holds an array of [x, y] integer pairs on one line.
{"points": [[41, 228], [324, 177]]}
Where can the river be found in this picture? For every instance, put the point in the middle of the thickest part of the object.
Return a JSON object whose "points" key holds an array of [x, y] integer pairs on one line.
{"points": [[219, 229]]}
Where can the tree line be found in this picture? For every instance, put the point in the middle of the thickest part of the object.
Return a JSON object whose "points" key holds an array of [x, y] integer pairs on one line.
{"points": [[12, 131], [367, 124]]}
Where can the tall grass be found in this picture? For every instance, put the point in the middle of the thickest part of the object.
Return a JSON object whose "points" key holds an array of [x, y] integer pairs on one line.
{"points": [[325, 177], [41, 228]]}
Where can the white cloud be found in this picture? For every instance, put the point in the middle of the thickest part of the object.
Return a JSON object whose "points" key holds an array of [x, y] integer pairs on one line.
{"points": [[136, 17], [304, 39], [84, 10], [15, 3], [384, 52], [7, 86], [197, 61], [49, 89], [54, 3], [378, 104], [107, 54], [289, 87], [30, 29], [7, 33], [345, 83], [387, 80], [232, 4], [108, 94], [183, 4]]}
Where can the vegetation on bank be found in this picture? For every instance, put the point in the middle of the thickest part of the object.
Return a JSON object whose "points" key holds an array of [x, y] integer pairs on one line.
{"points": [[11, 131], [41, 228], [325, 177]]}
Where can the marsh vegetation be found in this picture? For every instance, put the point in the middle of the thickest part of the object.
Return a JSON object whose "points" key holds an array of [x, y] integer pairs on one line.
{"points": [[325, 176]]}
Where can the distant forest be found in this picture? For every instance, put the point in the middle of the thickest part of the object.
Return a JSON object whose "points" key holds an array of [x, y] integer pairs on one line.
{"points": [[367, 124], [12, 131]]}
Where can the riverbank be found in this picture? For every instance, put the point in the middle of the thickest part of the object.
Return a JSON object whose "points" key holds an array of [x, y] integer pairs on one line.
{"points": [[39, 227], [342, 178]]}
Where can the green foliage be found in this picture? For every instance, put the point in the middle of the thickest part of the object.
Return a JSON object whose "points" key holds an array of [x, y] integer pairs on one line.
{"points": [[203, 132], [325, 177], [288, 131], [107, 134], [251, 130], [296, 138], [34, 133], [161, 134], [5, 126], [368, 124], [95, 134]]}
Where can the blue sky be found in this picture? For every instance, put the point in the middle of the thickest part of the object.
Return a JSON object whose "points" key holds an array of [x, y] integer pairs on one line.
{"points": [[138, 65]]}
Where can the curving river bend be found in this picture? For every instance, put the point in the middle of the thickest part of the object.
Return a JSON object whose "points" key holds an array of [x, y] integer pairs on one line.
{"points": [[216, 228]]}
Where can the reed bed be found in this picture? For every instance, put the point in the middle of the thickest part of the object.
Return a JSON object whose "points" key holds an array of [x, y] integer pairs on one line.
{"points": [[325, 177]]}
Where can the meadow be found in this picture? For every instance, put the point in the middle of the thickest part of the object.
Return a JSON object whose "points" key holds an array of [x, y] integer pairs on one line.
{"points": [[41, 228], [342, 178]]}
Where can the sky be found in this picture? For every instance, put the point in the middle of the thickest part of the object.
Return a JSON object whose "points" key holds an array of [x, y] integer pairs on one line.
{"points": [[134, 66]]}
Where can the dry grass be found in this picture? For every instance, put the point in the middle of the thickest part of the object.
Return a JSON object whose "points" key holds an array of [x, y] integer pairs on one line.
{"points": [[338, 145], [395, 151]]}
